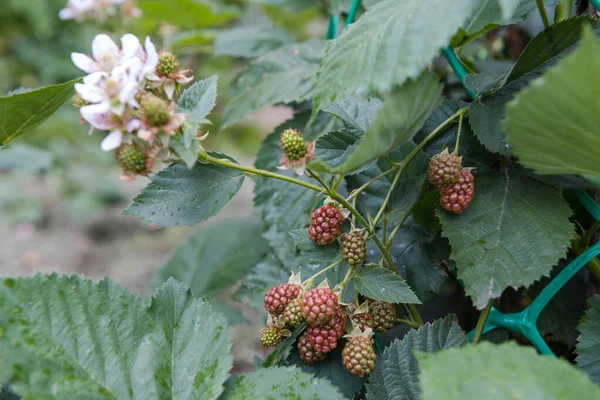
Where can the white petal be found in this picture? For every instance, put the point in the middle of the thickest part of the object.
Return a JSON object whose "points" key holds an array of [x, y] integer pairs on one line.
{"points": [[84, 63], [133, 125], [131, 46], [66, 13], [169, 89], [95, 78], [98, 115], [103, 47], [145, 134], [112, 141], [92, 94], [151, 54], [128, 92], [152, 77]]}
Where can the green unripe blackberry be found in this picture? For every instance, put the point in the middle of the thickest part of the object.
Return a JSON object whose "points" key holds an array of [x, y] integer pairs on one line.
{"points": [[156, 110], [270, 336], [167, 63], [444, 169], [383, 315], [359, 356], [354, 248], [131, 158], [293, 144], [292, 315]]}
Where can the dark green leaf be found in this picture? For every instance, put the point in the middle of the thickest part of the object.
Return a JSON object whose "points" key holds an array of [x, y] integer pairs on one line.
{"points": [[250, 41], [282, 351], [199, 99], [215, 257], [24, 111], [312, 251], [382, 284], [508, 211], [588, 343], [261, 278], [396, 374], [181, 196]]}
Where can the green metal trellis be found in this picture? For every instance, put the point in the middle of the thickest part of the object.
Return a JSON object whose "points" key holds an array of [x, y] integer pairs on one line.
{"points": [[524, 322]]}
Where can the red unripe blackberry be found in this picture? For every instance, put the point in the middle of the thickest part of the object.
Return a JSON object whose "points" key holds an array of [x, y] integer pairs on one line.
{"points": [[293, 144], [325, 225], [383, 315], [457, 196], [270, 336], [319, 305], [358, 356], [308, 354], [292, 315], [354, 248], [363, 321], [324, 338], [278, 297], [444, 169]]}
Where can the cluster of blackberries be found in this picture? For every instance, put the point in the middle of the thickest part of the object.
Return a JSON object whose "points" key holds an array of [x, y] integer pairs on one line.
{"points": [[455, 183]]}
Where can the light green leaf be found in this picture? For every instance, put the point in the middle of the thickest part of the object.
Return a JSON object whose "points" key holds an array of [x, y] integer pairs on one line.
{"points": [[251, 41], [509, 214], [181, 196], [501, 372], [284, 75], [22, 112], [199, 99], [192, 41], [334, 148], [401, 116], [215, 257], [390, 33], [184, 13], [382, 284], [187, 146], [552, 124], [588, 343], [172, 346], [396, 374], [280, 383]]}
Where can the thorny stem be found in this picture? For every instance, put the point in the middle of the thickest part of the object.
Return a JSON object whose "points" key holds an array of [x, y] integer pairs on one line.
{"points": [[260, 172], [542, 9], [481, 321], [321, 272], [407, 322], [460, 121]]}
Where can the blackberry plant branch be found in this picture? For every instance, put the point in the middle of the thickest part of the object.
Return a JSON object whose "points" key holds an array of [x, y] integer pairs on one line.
{"points": [[321, 272], [542, 9], [317, 178], [460, 121], [407, 322], [481, 321]]}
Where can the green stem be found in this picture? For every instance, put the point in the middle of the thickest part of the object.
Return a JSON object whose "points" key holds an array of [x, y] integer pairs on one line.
{"points": [[388, 196], [542, 9], [317, 178], [415, 314], [460, 121], [337, 183], [558, 13], [567, 5], [481, 322], [407, 322], [344, 282], [260, 172], [355, 192], [321, 272]]}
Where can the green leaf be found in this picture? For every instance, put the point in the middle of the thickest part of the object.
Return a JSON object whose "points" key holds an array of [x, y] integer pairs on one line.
{"points": [[388, 33], [382, 284], [488, 238], [396, 374], [334, 148], [24, 111], [181, 196], [312, 251], [231, 312], [187, 146], [401, 116], [25, 158], [280, 383], [282, 351], [184, 13], [552, 124], [263, 276], [215, 257], [588, 343], [501, 372], [284, 75], [125, 347], [546, 49], [199, 99], [250, 41]]}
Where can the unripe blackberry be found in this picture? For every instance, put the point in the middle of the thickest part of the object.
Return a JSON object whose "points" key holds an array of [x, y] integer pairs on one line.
{"points": [[292, 315], [358, 356], [457, 196], [383, 315], [278, 297], [362, 321], [444, 169], [132, 159], [354, 248], [293, 144], [325, 225], [156, 110], [324, 338], [308, 354], [270, 336], [319, 305], [167, 63]]}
